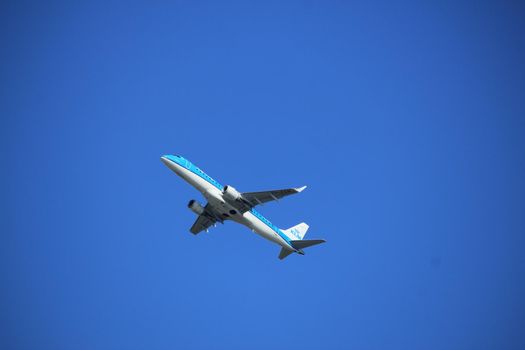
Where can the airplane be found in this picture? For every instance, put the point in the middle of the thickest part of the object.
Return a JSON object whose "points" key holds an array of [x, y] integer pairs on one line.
{"points": [[226, 203]]}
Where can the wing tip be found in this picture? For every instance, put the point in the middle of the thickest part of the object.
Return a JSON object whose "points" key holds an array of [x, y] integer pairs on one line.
{"points": [[300, 189]]}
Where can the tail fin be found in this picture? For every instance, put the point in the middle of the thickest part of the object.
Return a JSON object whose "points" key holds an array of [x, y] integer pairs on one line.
{"points": [[297, 232]]}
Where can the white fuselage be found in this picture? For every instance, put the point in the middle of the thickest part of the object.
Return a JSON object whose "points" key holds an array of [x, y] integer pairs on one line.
{"points": [[214, 196]]}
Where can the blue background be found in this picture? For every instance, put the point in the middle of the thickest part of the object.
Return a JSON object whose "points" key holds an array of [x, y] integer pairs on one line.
{"points": [[406, 121]]}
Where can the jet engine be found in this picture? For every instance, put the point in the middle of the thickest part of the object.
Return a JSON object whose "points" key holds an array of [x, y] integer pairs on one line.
{"points": [[195, 207], [231, 194]]}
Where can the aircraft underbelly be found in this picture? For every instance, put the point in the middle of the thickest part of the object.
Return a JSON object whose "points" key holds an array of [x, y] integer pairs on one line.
{"points": [[199, 183], [263, 230]]}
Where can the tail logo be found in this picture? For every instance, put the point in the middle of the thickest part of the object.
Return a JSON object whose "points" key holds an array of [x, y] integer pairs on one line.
{"points": [[296, 233]]}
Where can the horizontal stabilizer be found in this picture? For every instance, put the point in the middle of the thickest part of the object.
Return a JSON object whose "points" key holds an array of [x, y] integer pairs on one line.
{"points": [[284, 253], [305, 243]]}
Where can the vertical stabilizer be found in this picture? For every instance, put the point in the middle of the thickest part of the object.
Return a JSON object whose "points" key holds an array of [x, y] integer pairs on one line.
{"points": [[297, 232]]}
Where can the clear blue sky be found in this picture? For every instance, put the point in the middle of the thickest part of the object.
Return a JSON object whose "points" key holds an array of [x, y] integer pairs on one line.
{"points": [[406, 121]]}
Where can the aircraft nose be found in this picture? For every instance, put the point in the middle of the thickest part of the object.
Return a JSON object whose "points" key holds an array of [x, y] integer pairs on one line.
{"points": [[164, 160]]}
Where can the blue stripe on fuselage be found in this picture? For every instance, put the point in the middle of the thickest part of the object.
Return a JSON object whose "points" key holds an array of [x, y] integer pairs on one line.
{"points": [[270, 225], [194, 169]]}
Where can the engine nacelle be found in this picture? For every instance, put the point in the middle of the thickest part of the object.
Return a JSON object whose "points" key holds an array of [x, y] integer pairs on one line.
{"points": [[195, 207], [231, 194]]}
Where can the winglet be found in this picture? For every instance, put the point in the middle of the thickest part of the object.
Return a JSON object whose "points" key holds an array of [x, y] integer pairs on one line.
{"points": [[300, 189]]}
